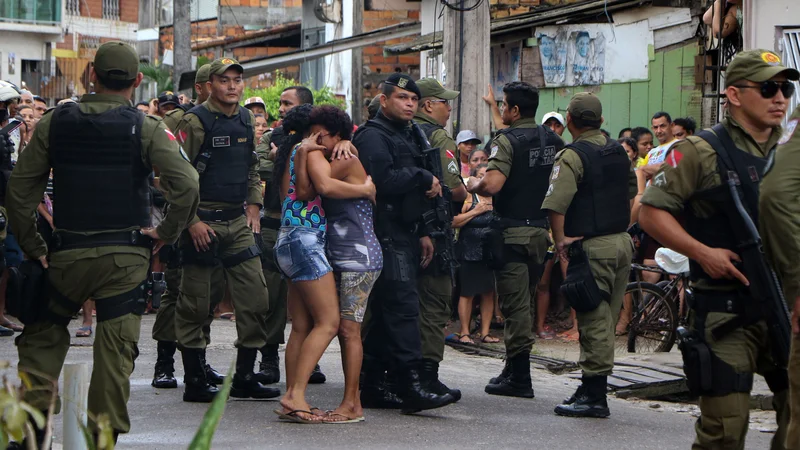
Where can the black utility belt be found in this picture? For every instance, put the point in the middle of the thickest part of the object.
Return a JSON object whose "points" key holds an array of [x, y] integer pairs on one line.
{"points": [[66, 241], [512, 223], [219, 215], [270, 223], [732, 302]]}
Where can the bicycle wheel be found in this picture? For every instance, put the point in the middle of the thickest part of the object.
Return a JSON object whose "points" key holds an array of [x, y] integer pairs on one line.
{"points": [[654, 320]]}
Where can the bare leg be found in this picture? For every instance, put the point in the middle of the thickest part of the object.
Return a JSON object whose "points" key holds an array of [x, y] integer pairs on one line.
{"points": [[650, 277], [301, 326], [352, 355], [625, 315], [487, 307], [543, 296], [320, 300], [465, 317]]}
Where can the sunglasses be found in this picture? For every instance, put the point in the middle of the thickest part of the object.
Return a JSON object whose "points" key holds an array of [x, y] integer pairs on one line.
{"points": [[770, 89], [440, 101]]}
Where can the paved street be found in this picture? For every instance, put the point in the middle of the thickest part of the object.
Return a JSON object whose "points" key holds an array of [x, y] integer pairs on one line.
{"points": [[162, 421]]}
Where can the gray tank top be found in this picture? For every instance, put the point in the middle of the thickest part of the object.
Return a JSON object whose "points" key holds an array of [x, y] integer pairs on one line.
{"points": [[352, 244]]}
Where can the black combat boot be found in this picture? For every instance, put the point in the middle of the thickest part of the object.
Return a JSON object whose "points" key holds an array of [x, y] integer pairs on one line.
{"points": [[589, 401], [429, 370], [212, 375], [270, 365], [504, 374], [518, 384], [38, 433], [164, 373], [416, 397], [375, 391], [245, 384], [317, 377], [578, 392], [198, 389]]}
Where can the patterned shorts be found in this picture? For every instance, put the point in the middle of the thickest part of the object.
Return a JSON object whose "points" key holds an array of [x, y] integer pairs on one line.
{"points": [[354, 289]]}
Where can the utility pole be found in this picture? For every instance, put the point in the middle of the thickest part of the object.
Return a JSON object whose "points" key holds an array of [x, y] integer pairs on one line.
{"points": [[182, 35], [467, 41], [357, 67]]}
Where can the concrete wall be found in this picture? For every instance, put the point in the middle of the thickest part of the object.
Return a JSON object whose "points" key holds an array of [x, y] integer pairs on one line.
{"points": [[29, 46], [760, 24]]}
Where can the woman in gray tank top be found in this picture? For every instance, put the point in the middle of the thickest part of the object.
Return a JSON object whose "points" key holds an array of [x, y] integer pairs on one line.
{"points": [[353, 249]]}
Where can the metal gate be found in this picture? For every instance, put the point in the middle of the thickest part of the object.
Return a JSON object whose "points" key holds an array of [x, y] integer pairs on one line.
{"points": [[790, 55]]}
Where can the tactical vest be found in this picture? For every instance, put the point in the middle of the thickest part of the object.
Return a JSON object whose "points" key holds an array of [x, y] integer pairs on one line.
{"points": [[186, 106], [601, 205], [523, 192], [716, 231], [429, 128], [272, 197], [98, 173], [226, 155], [391, 207]]}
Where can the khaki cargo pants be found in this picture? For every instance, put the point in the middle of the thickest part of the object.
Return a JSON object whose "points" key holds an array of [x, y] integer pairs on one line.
{"points": [[435, 295], [43, 346]]}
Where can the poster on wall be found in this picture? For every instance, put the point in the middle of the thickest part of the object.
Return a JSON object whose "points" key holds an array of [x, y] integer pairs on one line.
{"points": [[505, 66], [12, 63], [591, 54]]}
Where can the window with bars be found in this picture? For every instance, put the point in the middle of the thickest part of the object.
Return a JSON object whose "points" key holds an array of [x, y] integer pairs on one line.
{"points": [[110, 9], [73, 7]]}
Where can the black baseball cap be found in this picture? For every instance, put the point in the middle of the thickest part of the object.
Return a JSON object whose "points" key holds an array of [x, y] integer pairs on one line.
{"points": [[167, 97], [404, 82]]}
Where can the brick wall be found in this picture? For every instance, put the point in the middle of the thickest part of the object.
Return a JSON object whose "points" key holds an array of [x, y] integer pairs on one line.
{"points": [[507, 8], [129, 11], [263, 3], [373, 55]]}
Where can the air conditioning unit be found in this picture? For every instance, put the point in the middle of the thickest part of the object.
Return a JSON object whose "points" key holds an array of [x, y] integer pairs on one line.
{"points": [[329, 11]]}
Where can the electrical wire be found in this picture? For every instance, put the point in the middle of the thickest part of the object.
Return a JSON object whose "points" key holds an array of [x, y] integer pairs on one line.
{"points": [[477, 5]]}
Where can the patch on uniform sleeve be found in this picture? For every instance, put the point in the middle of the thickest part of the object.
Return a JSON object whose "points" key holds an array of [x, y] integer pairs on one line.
{"points": [[556, 170], [674, 158], [450, 154], [660, 179], [549, 190], [453, 168], [494, 151], [170, 135], [182, 136], [789, 131], [183, 154]]}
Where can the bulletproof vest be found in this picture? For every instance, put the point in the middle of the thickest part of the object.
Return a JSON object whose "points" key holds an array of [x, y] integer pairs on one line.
{"points": [[601, 205], [523, 192], [429, 128], [186, 106], [226, 155], [401, 208], [98, 173], [272, 198], [716, 231]]}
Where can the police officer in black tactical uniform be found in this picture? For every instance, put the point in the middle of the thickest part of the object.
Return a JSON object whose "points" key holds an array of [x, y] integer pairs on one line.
{"points": [[391, 157], [519, 169]]}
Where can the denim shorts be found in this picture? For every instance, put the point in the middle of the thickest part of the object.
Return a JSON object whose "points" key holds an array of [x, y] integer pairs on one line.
{"points": [[300, 253]]}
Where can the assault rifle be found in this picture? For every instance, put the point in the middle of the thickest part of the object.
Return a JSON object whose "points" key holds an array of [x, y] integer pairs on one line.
{"points": [[439, 218], [764, 285]]}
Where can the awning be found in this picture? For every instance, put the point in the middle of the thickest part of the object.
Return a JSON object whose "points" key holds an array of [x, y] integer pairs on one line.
{"points": [[543, 16], [265, 64]]}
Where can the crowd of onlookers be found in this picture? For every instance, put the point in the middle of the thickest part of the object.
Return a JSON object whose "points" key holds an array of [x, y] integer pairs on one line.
{"points": [[647, 147]]}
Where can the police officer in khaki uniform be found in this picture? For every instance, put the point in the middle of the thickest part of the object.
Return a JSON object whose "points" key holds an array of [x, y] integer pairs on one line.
{"points": [[693, 183], [269, 367], [164, 327], [520, 161], [435, 286], [780, 230], [97, 252], [218, 136], [588, 203]]}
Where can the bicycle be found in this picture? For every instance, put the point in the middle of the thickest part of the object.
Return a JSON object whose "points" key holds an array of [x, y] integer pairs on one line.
{"points": [[657, 310]]}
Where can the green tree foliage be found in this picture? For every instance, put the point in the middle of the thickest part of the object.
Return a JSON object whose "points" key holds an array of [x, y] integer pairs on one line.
{"points": [[157, 74], [272, 95]]}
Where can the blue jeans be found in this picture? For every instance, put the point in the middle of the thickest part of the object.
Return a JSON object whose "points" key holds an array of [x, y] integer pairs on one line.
{"points": [[300, 253]]}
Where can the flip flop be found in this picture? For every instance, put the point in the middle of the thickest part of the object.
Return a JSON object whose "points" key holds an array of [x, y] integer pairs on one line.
{"points": [[226, 316], [12, 326], [347, 419], [84, 332], [488, 336], [292, 416]]}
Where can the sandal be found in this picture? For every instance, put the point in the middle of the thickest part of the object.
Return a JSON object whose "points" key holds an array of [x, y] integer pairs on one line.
{"points": [[294, 416], [227, 316], [84, 332], [344, 419], [547, 334], [12, 326], [488, 339]]}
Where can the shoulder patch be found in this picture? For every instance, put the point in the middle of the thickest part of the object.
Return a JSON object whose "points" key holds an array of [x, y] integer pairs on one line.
{"points": [[170, 135], [556, 171], [183, 154], [788, 132], [453, 168], [494, 151], [450, 154], [660, 179]]}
